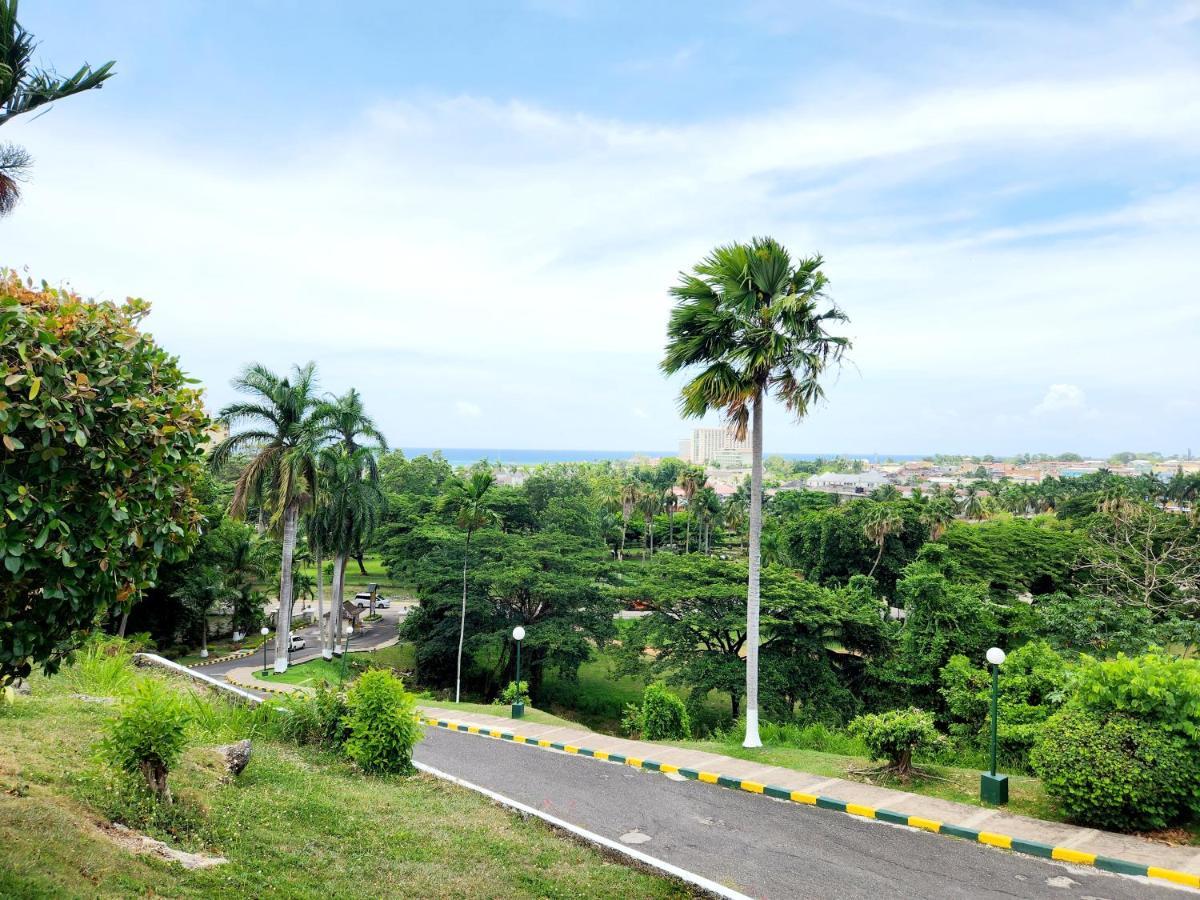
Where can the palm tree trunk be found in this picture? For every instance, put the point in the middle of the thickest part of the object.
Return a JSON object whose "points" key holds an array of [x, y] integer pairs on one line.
{"points": [[322, 625], [621, 549], [204, 636], [283, 620], [752, 594], [878, 557], [687, 538], [335, 603], [671, 525], [462, 622]]}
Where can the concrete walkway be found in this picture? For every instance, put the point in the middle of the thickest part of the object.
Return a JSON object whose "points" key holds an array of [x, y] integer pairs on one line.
{"points": [[992, 821]]}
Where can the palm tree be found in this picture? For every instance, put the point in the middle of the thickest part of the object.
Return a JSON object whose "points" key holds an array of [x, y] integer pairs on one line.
{"points": [[649, 501], [630, 494], [747, 318], [938, 513], [691, 481], [467, 501], [882, 521], [348, 517], [354, 429], [24, 89], [972, 505], [670, 503], [244, 559], [282, 472], [202, 589]]}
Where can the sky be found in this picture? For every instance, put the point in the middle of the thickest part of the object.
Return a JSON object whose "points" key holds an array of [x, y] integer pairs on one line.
{"points": [[473, 212]]}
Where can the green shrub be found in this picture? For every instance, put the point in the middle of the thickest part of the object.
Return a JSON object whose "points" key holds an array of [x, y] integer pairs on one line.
{"points": [[1113, 771], [897, 735], [381, 724], [149, 736], [514, 693], [631, 720], [815, 736], [318, 719], [103, 667], [663, 716]]}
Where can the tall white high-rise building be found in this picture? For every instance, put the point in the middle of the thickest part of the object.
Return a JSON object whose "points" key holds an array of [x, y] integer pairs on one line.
{"points": [[708, 443]]}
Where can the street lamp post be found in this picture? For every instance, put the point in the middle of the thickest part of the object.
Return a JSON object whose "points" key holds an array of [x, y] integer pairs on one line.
{"points": [[993, 788], [518, 707], [264, 632]]}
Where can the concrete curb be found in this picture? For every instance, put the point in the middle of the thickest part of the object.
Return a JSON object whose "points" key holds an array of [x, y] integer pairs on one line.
{"points": [[992, 839], [241, 654], [266, 689]]}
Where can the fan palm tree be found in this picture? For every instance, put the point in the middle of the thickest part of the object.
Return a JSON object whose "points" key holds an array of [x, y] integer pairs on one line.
{"points": [[467, 501], [938, 513], [882, 521], [749, 319], [352, 506], [281, 475], [24, 89], [690, 481]]}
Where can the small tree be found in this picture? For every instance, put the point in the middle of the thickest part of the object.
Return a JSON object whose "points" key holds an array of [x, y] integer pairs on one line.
{"points": [[663, 716], [150, 735], [895, 736], [381, 723]]}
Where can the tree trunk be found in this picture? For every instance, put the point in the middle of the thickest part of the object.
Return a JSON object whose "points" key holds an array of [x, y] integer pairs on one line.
{"points": [[204, 636], [335, 603], [652, 537], [322, 625], [362, 568], [671, 526], [752, 594], [878, 557], [124, 620], [687, 538], [462, 622], [283, 620], [155, 774], [621, 549]]}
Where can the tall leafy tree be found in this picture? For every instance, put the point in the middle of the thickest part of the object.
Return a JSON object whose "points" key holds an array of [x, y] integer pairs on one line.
{"points": [[286, 434], [467, 502], [23, 89], [750, 321]]}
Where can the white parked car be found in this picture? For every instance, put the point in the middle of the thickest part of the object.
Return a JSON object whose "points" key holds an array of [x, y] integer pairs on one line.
{"points": [[296, 643], [363, 601]]}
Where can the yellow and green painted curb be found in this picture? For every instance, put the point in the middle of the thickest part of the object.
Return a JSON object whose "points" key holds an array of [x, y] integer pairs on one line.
{"points": [[266, 689], [241, 654], [992, 839]]}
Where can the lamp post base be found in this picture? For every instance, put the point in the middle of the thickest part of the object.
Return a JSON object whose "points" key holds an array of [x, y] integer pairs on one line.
{"points": [[518, 710], [993, 788]]}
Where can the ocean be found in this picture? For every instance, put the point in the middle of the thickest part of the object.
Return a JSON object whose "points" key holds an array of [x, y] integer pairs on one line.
{"points": [[467, 456]]}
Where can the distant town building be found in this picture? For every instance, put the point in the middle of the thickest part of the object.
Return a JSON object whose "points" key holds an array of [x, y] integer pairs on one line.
{"points": [[707, 443], [847, 482]]}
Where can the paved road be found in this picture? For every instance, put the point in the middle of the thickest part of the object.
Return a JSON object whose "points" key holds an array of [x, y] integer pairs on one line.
{"points": [[762, 847], [374, 633]]}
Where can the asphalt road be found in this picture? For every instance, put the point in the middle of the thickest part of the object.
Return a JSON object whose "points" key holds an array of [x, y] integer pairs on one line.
{"points": [[759, 846], [374, 633]]}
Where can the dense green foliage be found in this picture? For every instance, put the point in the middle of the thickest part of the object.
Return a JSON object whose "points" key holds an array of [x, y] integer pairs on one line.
{"points": [[662, 716], [101, 433], [319, 718], [380, 724], [1114, 771]]}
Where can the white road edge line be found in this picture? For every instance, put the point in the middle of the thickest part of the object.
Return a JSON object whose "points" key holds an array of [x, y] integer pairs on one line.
{"points": [[717, 890]]}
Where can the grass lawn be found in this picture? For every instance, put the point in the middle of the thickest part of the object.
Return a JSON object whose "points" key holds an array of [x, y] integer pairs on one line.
{"points": [[297, 823], [401, 657], [356, 580]]}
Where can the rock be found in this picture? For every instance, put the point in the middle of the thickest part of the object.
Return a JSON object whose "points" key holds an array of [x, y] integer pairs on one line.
{"points": [[140, 843], [21, 686], [88, 698], [236, 756]]}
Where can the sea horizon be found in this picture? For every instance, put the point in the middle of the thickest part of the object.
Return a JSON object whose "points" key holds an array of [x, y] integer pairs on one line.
{"points": [[516, 456]]}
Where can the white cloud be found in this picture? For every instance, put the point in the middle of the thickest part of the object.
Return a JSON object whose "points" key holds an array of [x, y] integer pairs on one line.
{"points": [[433, 247], [466, 408], [1061, 398]]}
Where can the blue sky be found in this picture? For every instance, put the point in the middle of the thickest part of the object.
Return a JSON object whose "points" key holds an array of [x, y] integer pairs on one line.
{"points": [[473, 211]]}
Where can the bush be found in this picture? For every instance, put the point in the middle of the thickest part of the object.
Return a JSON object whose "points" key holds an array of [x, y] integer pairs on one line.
{"points": [[1113, 771], [150, 735], [318, 719], [514, 693], [663, 716], [896, 735], [103, 667], [381, 724]]}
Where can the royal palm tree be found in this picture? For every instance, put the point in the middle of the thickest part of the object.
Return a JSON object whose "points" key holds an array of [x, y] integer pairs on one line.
{"points": [[354, 429], [281, 475], [630, 495], [749, 321], [882, 521], [24, 89], [467, 501], [348, 517]]}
